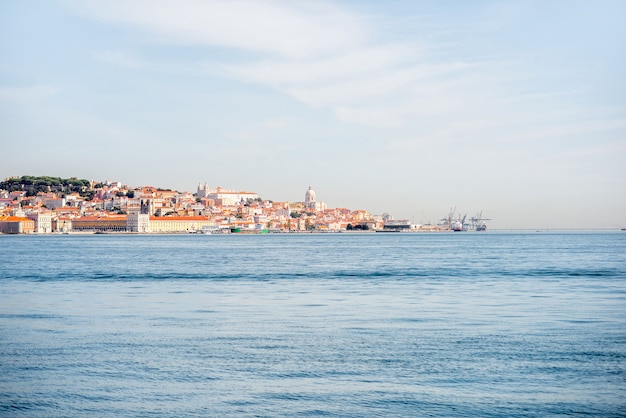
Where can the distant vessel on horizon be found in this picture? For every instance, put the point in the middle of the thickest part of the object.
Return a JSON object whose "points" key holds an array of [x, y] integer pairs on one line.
{"points": [[479, 222], [458, 225]]}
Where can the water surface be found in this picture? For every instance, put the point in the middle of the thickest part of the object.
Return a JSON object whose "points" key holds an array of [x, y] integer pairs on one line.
{"points": [[467, 324]]}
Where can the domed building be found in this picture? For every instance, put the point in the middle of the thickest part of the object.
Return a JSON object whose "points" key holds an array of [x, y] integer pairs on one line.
{"points": [[309, 196], [310, 203]]}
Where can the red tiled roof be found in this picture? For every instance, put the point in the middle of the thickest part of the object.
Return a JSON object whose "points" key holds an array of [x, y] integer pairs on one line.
{"points": [[16, 219], [178, 218]]}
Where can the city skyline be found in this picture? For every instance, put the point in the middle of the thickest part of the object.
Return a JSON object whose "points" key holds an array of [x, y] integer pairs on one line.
{"points": [[409, 108]]}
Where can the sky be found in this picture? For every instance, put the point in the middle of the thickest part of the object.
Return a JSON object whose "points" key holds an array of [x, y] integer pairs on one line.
{"points": [[407, 107]]}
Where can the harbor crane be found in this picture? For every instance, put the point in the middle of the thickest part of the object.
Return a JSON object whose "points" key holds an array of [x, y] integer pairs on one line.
{"points": [[455, 222], [478, 222]]}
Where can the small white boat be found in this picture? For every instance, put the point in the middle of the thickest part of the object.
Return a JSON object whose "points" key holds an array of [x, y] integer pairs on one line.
{"points": [[213, 230]]}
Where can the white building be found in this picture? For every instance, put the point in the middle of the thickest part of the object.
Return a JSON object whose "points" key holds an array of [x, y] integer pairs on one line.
{"points": [[224, 197], [138, 222], [203, 190], [310, 203], [43, 222], [54, 203], [230, 197]]}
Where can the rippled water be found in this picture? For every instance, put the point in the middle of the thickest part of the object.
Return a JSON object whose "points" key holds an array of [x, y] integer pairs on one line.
{"points": [[467, 324]]}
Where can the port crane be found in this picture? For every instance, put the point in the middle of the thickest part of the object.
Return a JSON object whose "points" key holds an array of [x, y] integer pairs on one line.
{"points": [[454, 224], [447, 221], [478, 222], [457, 223]]}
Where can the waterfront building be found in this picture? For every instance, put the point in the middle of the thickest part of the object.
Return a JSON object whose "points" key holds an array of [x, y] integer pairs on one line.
{"points": [[62, 224], [138, 222], [178, 224], [16, 225], [43, 222], [157, 210], [110, 223], [397, 225]]}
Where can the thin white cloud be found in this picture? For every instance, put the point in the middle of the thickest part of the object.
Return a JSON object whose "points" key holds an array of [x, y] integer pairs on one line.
{"points": [[323, 55], [294, 29], [130, 60], [358, 61], [315, 52], [353, 89]]}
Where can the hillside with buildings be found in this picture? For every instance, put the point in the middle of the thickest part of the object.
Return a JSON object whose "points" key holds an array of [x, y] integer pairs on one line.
{"points": [[33, 185], [45, 205]]}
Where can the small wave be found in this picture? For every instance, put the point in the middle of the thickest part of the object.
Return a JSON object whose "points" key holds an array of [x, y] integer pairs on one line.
{"points": [[14, 407], [273, 274], [27, 405], [550, 272], [29, 316], [243, 275]]}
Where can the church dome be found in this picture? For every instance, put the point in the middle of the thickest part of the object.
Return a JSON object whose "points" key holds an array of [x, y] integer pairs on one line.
{"points": [[309, 196]]}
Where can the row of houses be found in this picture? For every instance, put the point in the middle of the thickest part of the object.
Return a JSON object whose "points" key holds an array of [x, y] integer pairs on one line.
{"points": [[151, 210], [134, 222], [19, 223], [44, 223]]}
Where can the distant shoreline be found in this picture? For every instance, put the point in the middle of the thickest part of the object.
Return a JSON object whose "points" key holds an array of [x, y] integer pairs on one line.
{"points": [[383, 232]]}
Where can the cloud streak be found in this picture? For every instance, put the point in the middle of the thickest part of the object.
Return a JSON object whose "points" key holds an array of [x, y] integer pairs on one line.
{"points": [[325, 56], [314, 52], [296, 29], [365, 60]]}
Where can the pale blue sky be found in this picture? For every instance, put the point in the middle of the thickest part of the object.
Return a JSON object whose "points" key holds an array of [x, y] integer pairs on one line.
{"points": [[516, 108]]}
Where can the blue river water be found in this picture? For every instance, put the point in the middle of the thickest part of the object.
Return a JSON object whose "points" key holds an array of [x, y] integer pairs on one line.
{"points": [[336, 325]]}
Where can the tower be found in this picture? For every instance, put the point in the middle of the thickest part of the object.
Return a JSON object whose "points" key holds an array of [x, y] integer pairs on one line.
{"points": [[146, 207], [203, 190], [309, 199]]}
